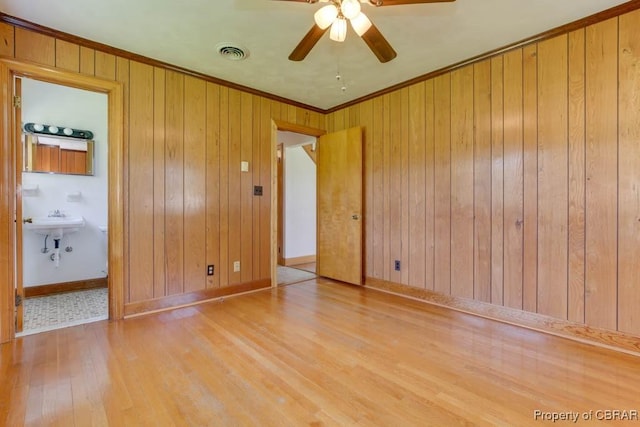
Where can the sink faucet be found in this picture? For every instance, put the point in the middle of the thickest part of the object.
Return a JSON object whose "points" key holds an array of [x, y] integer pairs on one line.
{"points": [[56, 213]]}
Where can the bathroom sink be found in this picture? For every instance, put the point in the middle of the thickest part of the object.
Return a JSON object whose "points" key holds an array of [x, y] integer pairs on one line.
{"points": [[55, 226]]}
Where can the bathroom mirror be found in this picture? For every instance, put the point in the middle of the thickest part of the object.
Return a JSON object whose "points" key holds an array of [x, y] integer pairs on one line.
{"points": [[59, 155]]}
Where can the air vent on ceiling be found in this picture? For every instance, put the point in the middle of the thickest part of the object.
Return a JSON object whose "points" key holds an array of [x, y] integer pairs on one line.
{"points": [[232, 51]]}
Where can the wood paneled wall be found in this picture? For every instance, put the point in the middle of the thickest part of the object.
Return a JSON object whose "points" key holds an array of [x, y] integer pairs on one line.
{"points": [[187, 204], [515, 180]]}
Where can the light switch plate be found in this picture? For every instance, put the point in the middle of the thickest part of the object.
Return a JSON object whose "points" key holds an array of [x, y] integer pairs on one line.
{"points": [[244, 166]]}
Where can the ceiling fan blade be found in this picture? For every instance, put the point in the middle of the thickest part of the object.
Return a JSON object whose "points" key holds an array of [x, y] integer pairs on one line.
{"points": [[401, 2], [378, 44], [307, 43]]}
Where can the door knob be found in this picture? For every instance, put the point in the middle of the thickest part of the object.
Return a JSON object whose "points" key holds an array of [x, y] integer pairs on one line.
{"points": [[355, 217]]}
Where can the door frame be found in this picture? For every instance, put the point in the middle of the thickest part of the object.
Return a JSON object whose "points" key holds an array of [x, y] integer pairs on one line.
{"points": [[277, 125], [9, 169]]}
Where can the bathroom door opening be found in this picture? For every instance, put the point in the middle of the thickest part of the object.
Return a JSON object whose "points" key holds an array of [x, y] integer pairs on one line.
{"points": [[61, 274]]}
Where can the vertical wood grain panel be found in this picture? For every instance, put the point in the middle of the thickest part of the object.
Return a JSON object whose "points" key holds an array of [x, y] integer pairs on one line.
{"points": [[87, 61], [552, 177], [212, 196], [174, 182], [195, 114], [629, 175], [404, 185], [386, 188], [394, 190], [123, 77], [366, 121], [482, 181], [105, 65], [602, 172], [159, 214], [141, 182], [7, 39], [35, 47], [223, 268], [462, 182], [530, 179], [235, 187], [442, 246], [497, 182], [576, 176], [255, 169], [513, 179], [417, 194], [377, 215], [429, 187], [266, 158], [246, 188], [67, 56]]}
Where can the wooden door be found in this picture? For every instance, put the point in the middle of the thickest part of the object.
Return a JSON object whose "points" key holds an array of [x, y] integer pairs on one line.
{"points": [[19, 147], [339, 209], [280, 154]]}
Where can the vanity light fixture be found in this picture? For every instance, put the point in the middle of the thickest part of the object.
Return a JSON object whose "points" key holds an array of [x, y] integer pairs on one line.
{"points": [[57, 131]]}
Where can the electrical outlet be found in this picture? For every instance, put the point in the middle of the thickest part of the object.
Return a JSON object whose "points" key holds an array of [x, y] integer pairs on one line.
{"points": [[257, 190], [397, 265], [236, 266], [209, 270]]}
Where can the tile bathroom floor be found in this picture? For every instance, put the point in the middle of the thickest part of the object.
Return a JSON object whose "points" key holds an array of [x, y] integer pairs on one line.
{"points": [[62, 310]]}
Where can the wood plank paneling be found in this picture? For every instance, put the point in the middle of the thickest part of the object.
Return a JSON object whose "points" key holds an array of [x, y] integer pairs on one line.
{"points": [[429, 188], [602, 172], [386, 189], [246, 189], [462, 182], [174, 182], [513, 179], [224, 187], [6, 39], [377, 215], [105, 65], [394, 193], [366, 120], [267, 152], [67, 56], [141, 208], [404, 184], [87, 61], [159, 158], [497, 182], [417, 195], [576, 176], [195, 166], [255, 169], [629, 174], [552, 177], [442, 168], [482, 182], [235, 185], [212, 197], [123, 77], [35, 47], [530, 178]]}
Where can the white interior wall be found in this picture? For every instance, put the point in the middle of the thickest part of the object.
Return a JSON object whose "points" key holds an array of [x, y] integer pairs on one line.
{"points": [[299, 197], [67, 107]]}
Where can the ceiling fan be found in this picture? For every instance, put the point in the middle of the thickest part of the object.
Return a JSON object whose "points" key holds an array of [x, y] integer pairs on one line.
{"points": [[335, 16]]}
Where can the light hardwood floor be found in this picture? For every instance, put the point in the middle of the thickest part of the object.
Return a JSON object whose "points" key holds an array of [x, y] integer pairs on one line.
{"points": [[318, 353]]}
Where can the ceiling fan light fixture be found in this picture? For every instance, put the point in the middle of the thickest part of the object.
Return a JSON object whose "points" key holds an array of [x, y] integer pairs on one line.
{"points": [[361, 24], [325, 16], [350, 8], [338, 30]]}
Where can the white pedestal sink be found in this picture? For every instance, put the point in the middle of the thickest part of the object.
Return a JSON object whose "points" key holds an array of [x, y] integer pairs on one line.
{"points": [[55, 226]]}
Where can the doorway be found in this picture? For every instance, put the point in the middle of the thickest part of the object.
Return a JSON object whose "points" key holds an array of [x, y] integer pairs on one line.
{"points": [[296, 207], [11, 192], [61, 273], [339, 198]]}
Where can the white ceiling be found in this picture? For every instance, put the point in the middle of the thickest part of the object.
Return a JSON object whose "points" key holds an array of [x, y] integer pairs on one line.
{"points": [[185, 33]]}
